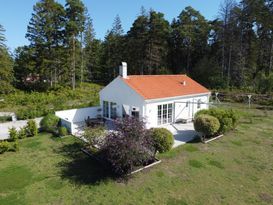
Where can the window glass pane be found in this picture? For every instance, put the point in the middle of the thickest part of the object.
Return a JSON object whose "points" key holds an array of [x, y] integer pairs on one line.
{"points": [[164, 113], [170, 110], [105, 109], [159, 114], [199, 104], [113, 110]]}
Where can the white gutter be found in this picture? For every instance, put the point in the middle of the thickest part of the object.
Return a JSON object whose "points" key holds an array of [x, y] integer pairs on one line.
{"points": [[176, 97]]}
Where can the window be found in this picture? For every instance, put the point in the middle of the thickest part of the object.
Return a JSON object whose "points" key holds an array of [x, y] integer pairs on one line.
{"points": [[159, 114], [113, 110], [170, 112], [199, 104], [164, 113], [105, 109]]}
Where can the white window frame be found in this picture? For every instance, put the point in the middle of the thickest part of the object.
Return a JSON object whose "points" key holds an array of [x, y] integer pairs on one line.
{"points": [[164, 113]]}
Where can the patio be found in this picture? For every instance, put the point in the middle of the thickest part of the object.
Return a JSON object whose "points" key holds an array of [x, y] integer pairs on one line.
{"points": [[182, 133]]}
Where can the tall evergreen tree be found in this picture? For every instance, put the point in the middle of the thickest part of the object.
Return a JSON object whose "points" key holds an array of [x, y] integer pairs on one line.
{"points": [[45, 33], [92, 53], [6, 72], [189, 40], [113, 52], [75, 19]]}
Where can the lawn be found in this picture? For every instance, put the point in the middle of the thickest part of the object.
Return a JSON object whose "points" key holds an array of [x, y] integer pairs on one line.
{"points": [[237, 169]]}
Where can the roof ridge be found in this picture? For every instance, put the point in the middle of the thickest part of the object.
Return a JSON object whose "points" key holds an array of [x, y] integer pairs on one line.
{"points": [[156, 75]]}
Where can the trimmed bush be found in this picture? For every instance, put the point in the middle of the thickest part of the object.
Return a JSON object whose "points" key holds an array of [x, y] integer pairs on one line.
{"points": [[206, 124], [163, 139], [31, 128], [4, 146], [228, 118], [49, 123], [62, 131], [13, 134]]}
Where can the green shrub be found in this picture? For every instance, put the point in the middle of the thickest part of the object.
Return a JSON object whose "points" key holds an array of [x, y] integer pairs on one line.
{"points": [[31, 128], [228, 118], [13, 134], [206, 124], [49, 123], [163, 139], [62, 131], [22, 133], [5, 119], [4, 146]]}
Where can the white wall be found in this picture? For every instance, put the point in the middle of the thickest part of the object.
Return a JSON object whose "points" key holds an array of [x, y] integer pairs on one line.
{"points": [[122, 94], [78, 115], [180, 110]]}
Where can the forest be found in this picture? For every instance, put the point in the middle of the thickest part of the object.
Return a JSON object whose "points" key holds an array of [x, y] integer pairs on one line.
{"points": [[232, 51]]}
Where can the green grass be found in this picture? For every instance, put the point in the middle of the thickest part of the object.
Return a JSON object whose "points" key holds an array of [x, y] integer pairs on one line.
{"points": [[236, 169]]}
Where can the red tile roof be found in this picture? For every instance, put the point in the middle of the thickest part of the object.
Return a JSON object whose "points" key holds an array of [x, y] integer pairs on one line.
{"points": [[164, 86]]}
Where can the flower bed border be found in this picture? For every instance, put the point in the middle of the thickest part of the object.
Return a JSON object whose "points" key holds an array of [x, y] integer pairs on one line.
{"points": [[212, 139]]}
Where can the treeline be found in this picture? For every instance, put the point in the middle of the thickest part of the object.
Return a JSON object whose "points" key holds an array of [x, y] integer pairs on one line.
{"points": [[234, 50]]}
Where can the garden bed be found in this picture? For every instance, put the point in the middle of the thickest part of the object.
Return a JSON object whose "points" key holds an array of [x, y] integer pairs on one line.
{"points": [[152, 163], [212, 139]]}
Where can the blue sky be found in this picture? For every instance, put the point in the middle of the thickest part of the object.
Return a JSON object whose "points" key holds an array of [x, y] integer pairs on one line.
{"points": [[15, 14]]}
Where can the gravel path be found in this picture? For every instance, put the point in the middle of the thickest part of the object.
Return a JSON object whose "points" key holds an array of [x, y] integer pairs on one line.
{"points": [[4, 127]]}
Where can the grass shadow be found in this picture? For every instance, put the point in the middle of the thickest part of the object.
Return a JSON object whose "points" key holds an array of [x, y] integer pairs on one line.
{"points": [[81, 168]]}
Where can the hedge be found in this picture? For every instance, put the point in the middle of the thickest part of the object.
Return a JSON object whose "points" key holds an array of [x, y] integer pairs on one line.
{"points": [[163, 139]]}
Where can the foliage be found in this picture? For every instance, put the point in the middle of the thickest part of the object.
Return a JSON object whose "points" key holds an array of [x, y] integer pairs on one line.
{"points": [[228, 118], [95, 136], [31, 128], [22, 133], [5, 119], [4, 146], [62, 131], [206, 124], [128, 147], [36, 104], [13, 134], [163, 139], [49, 123], [6, 64]]}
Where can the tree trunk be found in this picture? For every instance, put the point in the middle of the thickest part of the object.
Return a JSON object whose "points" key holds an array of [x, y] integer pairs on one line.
{"points": [[73, 64], [229, 64], [81, 59], [271, 58]]}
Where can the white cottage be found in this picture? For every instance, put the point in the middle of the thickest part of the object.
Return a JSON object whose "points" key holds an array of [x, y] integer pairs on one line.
{"points": [[158, 99]]}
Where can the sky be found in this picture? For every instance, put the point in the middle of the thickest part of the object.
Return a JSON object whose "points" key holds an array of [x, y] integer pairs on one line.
{"points": [[15, 14]]}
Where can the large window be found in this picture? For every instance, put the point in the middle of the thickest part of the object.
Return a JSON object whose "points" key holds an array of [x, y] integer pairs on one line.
{"points": [[164, 113], [106, 109], [113, 110]]}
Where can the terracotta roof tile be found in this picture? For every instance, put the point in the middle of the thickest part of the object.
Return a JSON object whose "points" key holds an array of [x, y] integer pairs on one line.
{"points": [[164, 86]]}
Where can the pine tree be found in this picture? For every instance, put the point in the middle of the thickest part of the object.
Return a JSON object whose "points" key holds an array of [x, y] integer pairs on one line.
{"points": [[45, 33], [6, 73], [113, 50], [75, 19]]}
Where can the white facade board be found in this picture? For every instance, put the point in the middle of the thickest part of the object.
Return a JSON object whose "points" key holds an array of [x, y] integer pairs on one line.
{"points": [[123, 95]]}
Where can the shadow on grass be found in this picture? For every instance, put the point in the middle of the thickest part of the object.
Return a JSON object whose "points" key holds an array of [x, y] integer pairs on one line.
{"points": [[81, 168]]}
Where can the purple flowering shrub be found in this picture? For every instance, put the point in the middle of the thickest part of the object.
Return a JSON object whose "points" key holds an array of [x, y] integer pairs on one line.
{"points": [[129, 147]]}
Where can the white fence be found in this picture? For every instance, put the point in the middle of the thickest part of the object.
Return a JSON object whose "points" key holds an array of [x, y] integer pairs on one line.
{"points": [[72, 118]]}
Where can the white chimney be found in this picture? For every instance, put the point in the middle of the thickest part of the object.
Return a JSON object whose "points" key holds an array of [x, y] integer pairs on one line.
{"points": [[123, 69], [184, 83]]}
